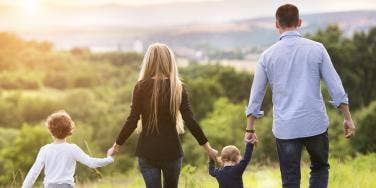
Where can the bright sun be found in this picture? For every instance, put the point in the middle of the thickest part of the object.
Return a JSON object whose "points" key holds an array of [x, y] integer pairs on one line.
{"points": [[31, 6]]}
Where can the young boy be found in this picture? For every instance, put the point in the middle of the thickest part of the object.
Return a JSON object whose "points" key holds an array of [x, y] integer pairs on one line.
{"points": [[59, 157], [230, 176]]}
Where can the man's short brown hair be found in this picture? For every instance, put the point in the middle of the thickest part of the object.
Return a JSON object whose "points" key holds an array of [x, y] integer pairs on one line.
{"points": [[60, 124], [287, 15]]}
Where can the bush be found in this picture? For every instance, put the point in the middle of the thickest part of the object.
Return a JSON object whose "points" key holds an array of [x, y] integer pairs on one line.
{"points": [[18, 156], [200, 90], [37, 108], [57, 80], [364, 140], [18, 80], [225, 125], [6, 135]]}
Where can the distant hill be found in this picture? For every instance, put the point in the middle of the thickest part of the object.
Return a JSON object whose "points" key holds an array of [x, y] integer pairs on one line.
{"points": [[259, 32], [197, 40]]}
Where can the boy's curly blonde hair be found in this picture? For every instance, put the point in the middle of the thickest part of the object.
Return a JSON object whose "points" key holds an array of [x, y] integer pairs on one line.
{"points": [[229, 154], [60, 124]]}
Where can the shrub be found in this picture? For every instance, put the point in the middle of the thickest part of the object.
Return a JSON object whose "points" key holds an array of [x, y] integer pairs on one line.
{"points": [[364, 140], [18, 156]]}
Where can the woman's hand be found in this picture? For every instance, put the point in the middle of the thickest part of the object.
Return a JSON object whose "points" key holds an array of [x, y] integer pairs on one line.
{"points": [[212, 153]]}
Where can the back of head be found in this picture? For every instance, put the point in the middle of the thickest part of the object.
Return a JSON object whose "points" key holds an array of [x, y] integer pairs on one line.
{"points": [[60, 124], [159, 63], [230, 154], [287, 16]]}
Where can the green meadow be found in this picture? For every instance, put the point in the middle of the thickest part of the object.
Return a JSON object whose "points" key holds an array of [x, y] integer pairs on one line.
{"points": [[357, 173]]}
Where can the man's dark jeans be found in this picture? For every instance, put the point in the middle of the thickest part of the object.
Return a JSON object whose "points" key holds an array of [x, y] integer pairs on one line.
{"points": [[152, 170], [289, 154]]}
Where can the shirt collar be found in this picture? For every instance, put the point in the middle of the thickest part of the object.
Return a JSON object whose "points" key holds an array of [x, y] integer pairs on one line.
{"points": [[289, 34]]}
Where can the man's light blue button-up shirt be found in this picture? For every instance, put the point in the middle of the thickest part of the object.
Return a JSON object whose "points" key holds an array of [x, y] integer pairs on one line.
{"points": [[294, 66]]}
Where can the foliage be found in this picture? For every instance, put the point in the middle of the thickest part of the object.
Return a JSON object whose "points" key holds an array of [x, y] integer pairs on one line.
{"points": [[210, 82], [95, 88], [225, 125], [18, 155], [365, 140], [355, 61]]}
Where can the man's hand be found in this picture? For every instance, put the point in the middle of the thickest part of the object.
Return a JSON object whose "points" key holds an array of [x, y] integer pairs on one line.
{"points": [[348, 128], [250, 137], [348, 124]]}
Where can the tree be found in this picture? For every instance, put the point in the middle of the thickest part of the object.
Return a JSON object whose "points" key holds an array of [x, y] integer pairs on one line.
{"points": [[200, 90], [355, 61]]}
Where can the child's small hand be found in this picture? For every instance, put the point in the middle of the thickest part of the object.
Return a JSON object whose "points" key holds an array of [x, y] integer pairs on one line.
{"points": [[251, 138], [110, 152], [212, 154], [113, 150]]}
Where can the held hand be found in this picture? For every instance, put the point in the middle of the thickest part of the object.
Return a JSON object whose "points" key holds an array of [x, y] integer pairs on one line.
{"points": [[348, 128], [116, 147], [113, 150], [110, 152], [212, 154], [250, 138]]}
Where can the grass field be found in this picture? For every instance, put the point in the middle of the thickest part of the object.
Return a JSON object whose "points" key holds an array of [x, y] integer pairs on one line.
{"points": [[354, 173]]}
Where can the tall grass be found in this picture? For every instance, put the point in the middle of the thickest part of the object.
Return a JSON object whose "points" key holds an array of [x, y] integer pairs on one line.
{"points": [[359, 172]]}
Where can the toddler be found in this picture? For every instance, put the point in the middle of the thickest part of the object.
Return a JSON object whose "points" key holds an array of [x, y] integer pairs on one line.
{"points": [[230, 175]]}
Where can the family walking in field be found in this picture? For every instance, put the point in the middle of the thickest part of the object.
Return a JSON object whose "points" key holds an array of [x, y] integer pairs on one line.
{"points": [[160, 109]]}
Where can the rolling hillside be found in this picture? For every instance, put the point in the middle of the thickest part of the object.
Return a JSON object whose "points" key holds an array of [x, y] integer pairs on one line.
{"points": [[195, 41]]}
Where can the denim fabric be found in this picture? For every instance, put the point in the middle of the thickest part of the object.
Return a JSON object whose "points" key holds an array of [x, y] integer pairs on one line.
{"points": [[289, 153], [55, 185], [152, 172]]}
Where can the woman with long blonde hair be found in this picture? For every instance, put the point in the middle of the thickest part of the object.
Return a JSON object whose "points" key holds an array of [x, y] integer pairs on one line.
{"points": [[161, 101]]}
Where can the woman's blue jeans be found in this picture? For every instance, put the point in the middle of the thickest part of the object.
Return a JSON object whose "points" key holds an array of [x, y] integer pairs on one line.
{"points": [[152, 172]]}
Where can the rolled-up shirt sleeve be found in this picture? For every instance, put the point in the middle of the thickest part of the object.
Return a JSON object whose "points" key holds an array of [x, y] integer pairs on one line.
{"points": [[332, 81], [258, 90]]}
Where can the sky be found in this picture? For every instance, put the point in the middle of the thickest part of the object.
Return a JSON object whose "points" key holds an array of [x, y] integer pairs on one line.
{"points": [[325, 4], [100, 2], [43, 13]]}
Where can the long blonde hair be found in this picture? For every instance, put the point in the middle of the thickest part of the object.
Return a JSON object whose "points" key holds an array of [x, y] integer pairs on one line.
{"points": [[158, 63]]}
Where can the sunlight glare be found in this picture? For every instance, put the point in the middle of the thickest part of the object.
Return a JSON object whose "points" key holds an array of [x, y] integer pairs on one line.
{"points": [[31, 6]]}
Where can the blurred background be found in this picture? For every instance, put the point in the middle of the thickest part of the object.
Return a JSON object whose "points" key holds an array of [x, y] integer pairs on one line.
{"points": [[84, 56]]}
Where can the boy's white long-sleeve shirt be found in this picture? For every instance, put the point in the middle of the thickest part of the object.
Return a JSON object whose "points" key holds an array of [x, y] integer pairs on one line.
{"points": [[59, 162]]}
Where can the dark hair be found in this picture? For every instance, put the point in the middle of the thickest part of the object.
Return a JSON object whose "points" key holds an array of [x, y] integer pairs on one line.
{"points": [[287, 15]]}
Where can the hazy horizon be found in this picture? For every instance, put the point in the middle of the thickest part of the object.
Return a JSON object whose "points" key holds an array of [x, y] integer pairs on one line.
{"points": [[32, 14]]}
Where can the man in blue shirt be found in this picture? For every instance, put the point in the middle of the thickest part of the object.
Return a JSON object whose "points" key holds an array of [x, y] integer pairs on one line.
{"points": [[294, 67]]}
